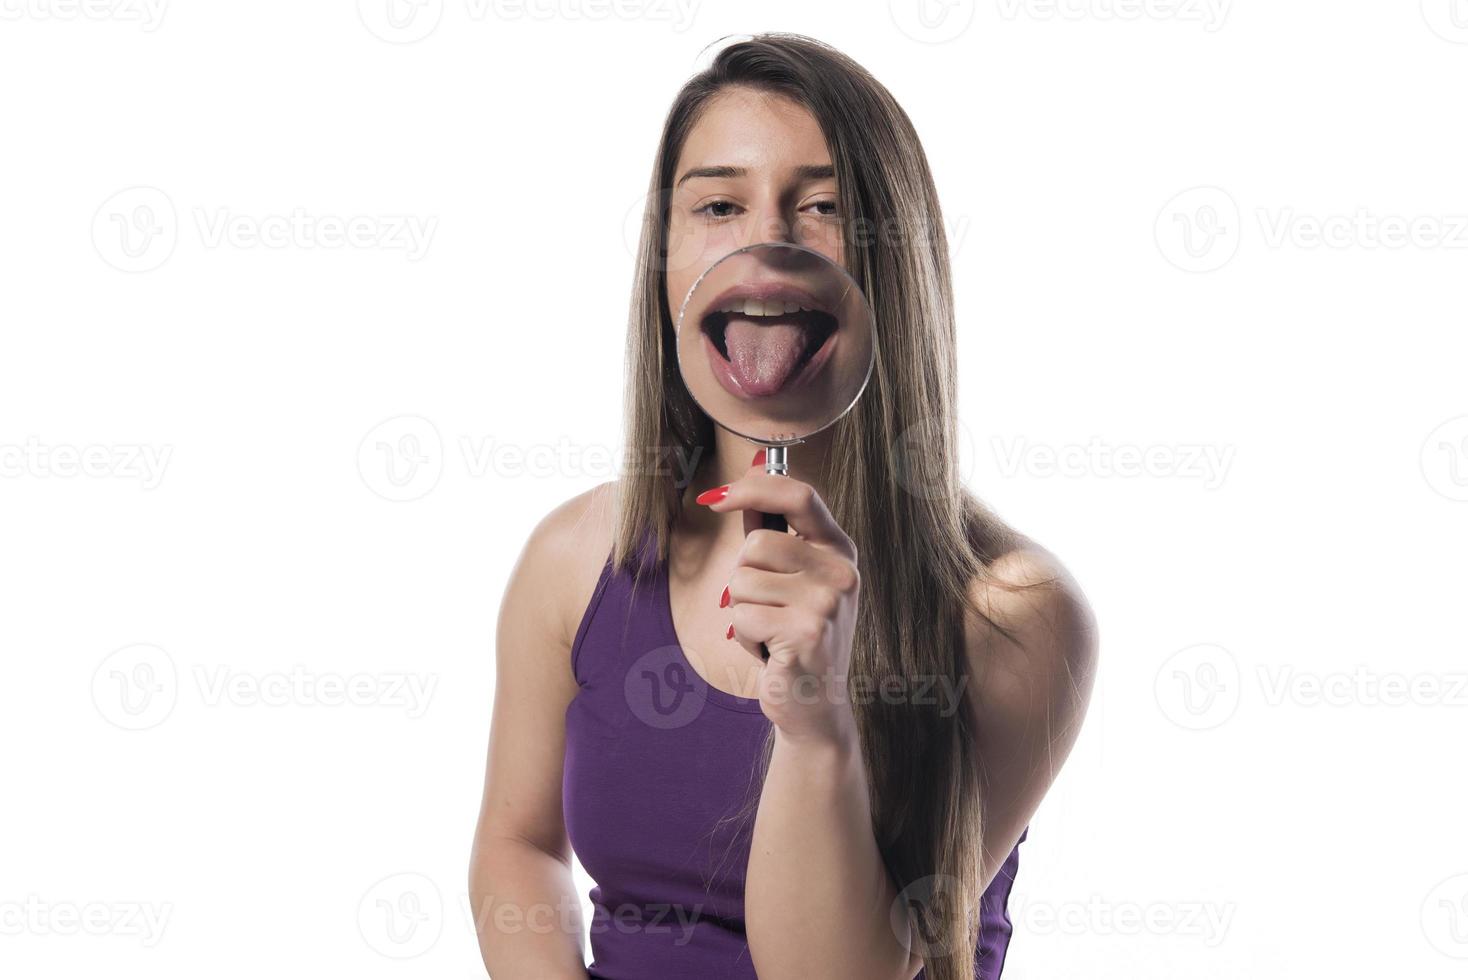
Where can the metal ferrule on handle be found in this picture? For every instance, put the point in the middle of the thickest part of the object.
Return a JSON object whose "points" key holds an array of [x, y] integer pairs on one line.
{"points": [[776, 462]]}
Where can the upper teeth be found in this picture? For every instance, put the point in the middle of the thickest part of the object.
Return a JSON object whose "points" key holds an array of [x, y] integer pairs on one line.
{"points": [[756, 307]]}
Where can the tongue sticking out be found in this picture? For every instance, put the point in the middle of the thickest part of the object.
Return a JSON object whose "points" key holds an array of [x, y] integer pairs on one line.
{"points": [[763, 357]]}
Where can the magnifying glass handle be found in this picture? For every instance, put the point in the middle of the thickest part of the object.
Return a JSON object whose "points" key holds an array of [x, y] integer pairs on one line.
{"points": [[776, 464]]}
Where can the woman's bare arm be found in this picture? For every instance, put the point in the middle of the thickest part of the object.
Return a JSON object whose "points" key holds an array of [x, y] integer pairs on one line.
{"points": [[525, 906], [813, 848], [1031, 688], [818, 899]]}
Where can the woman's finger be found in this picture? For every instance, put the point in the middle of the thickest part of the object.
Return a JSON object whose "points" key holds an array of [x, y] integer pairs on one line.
{"points": [[753, 519], [751, 584], [755, 625], [802, 507], [774, 552]]}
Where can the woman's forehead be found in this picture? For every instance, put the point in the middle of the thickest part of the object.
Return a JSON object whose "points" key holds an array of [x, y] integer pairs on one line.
{"points": [[757, 132]]}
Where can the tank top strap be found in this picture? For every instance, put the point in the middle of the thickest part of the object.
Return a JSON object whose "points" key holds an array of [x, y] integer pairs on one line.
{"points": [[627, 647], [623, 618]]}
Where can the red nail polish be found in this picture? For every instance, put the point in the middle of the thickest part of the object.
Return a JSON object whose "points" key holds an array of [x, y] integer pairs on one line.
{"points": [[724, 599], [730, 635], [759, 458], [713, 496]]}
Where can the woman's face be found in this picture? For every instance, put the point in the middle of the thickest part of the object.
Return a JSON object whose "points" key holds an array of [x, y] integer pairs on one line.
{"points": [[755, 168], [775, 342]]}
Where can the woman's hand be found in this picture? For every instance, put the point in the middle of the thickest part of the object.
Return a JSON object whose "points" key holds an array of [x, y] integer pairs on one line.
{"points": [[797, 595]]}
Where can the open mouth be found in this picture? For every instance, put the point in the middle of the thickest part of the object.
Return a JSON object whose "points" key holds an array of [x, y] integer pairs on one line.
{"points": [[766, 337]]}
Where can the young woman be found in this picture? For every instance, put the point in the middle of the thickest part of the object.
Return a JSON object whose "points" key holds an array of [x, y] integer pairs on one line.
{"points": [[850, 808]]}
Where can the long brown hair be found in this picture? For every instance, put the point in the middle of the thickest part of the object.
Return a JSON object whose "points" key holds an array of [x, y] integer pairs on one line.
{"points": [[923, 538]]}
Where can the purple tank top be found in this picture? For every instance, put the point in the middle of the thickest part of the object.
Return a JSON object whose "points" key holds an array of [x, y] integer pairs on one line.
{"points": [[659, 787]]}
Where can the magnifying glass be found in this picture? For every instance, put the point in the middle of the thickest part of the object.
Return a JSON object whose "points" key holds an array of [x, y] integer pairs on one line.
{"points": [[775, 343]]}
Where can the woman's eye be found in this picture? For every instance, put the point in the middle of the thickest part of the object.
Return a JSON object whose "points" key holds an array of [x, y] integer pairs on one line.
{"points": [[717, 209], [825, 209]]}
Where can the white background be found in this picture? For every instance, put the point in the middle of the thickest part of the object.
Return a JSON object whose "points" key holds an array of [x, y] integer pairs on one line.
{"points": [[209, 445]]}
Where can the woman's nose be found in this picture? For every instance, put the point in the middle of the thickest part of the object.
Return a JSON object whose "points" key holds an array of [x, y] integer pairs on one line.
{"points": [[771, 225]]}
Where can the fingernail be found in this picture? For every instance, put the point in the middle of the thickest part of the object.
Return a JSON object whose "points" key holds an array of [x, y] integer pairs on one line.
{"points": [[713, 496], [730, 635], [724, 599], [759, 458]]}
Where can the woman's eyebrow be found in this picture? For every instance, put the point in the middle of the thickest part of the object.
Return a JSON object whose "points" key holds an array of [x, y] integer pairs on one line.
{"points": [[808, 171], [815, 171], [725, 172]]}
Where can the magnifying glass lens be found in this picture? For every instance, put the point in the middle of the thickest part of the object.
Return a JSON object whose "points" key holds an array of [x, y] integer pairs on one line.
{"points": [[775, 342]]}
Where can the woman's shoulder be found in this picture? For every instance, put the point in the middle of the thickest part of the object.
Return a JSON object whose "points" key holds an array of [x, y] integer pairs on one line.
{"points": [[579, 522], [1032, 664], [565, 552], [1030, 633]]}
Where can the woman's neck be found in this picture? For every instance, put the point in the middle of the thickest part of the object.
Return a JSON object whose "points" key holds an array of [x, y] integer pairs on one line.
{"points": [[731, 459]]}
